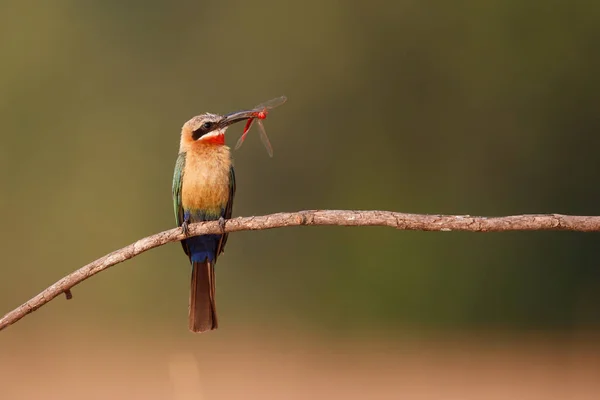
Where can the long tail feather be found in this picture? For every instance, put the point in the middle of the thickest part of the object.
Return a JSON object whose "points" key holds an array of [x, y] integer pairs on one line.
{"points": [[203, 311]]}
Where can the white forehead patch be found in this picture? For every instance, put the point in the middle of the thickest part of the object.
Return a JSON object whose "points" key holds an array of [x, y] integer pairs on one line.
{"points": [[198, 120]]}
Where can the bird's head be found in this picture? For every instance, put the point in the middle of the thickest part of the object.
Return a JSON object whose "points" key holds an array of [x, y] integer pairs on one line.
{"points": [[209, 129]]}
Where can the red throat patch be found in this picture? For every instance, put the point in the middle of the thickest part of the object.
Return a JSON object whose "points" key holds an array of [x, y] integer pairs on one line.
{"points": [[217, 139]]}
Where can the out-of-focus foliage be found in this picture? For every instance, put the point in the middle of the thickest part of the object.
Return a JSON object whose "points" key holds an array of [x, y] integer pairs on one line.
{"points": [[487, 108]]}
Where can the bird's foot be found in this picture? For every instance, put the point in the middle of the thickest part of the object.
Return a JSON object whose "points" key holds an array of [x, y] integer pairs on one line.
{"points": [[185, 228], [222, 222]]}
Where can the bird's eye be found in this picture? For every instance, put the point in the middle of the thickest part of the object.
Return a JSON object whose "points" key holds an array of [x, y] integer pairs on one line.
{"points": [[207, 125]]}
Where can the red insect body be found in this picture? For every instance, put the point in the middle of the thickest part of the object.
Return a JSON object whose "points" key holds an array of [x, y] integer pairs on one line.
{"points": [[248, 125], [246, 129]]}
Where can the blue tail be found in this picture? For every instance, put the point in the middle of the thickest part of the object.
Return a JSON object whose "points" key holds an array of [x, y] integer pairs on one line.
{"points": [[203, 248]]}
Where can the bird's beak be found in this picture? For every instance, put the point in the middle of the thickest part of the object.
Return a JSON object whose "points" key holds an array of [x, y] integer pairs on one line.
{"points": [[236, 117]]}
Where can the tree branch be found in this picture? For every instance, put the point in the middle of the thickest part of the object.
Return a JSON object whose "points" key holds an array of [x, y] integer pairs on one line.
{"points": [[312, 217]]}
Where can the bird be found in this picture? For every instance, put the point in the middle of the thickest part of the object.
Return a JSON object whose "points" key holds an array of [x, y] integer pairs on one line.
{"points": [[203, 190]]}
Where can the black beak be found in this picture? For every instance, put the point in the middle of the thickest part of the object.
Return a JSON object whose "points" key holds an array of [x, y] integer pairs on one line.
{"points": [[236, 117]]}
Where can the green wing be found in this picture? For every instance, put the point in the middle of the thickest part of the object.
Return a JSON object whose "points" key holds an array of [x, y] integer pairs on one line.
{"points": [[177, 183], [228, 208]]}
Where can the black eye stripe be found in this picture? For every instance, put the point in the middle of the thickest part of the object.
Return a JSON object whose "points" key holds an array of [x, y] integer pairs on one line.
{"points": [[203, 130]]}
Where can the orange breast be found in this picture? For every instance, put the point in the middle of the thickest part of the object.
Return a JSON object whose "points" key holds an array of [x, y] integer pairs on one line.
{"points": [[206, 177]]}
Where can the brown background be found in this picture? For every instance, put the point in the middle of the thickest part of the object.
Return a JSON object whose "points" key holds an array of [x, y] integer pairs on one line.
{"points": [[481, 108]]}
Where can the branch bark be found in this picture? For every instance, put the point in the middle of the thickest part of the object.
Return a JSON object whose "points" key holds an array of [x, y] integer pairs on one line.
{"points": [[445, 223]]}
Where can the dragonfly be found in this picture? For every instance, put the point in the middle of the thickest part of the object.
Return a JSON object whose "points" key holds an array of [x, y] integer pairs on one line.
{"points": [[258, 114]]}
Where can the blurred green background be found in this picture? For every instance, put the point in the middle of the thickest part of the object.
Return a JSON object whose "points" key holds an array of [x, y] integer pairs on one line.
{"points": [[470, 107], [482, 108]]}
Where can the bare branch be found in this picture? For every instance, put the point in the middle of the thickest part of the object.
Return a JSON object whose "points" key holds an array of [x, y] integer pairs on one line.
{"points": [[312, 217]]}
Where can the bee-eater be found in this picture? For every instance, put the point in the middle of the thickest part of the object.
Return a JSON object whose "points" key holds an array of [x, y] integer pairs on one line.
{"points": [[203, 190]]}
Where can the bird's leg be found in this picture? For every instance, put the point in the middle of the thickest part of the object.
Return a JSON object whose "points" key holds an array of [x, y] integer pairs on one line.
{"points": [[185, 226], [222, 222]]}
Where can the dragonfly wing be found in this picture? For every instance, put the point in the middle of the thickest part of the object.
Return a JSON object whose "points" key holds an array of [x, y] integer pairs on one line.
{"points": [[239, 142], [265, 138], [267, 105]]}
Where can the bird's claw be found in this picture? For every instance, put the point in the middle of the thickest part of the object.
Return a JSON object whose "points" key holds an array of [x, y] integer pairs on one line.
{"points": [[185, 228], [222, 222]]}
